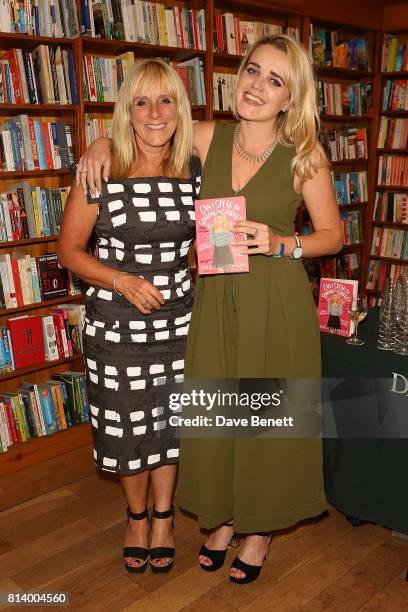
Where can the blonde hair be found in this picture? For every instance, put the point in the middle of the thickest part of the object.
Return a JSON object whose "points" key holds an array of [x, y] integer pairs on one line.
{"points": [[220, 223], [299, 125], [147, 77]]}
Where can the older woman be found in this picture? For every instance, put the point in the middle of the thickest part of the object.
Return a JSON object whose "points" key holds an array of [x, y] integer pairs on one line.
{"points": [[139, 300], [262, 324]]}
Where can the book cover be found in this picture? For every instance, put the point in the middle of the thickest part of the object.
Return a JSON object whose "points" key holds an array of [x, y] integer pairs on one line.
{"points": [[215, 219], [336, 298], [53, 279], [27, 340]]}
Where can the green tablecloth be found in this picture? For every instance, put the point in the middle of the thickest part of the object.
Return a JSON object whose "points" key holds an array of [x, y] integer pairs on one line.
{"points": [[366, 478]]}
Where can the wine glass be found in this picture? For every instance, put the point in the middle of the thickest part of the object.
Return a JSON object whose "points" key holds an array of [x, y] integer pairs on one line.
{"points": [[357, 314]]}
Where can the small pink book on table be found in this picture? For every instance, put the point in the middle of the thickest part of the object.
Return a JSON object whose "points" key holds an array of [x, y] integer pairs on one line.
{"points": [[336, 298], [215, 218]]}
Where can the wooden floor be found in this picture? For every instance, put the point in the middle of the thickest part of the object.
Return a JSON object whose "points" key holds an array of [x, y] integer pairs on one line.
{"points": [[59, 536]]}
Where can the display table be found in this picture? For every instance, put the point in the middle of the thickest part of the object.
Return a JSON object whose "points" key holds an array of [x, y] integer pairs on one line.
{"points": [[366, 478]]}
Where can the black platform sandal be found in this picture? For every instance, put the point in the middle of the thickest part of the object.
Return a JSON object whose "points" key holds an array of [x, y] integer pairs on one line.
{"points": [[162, 552], [251, 571], [217, 557], [137, 552]]}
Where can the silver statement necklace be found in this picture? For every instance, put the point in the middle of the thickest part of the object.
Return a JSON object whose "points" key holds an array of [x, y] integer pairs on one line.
{"points": [[250, 157]]}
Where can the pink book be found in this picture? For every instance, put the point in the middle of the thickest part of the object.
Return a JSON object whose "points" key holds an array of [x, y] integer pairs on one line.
{"points": [[336, 298], [215, 218]]}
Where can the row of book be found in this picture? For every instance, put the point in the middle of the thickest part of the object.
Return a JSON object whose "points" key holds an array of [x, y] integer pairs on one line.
{"points": [[25, 279], [395, 96], [224, 91], [393, 170], [31, 212], [393, 133], [27, 143], [352, 225], [378, 271], [145, 22], [338, 50], [103, 76], [349, 99], [97, 127], [45, 75], [344, 266], [390, 242], [348, 143], [234, 36], [394, 54], [34, 339], [42, 409], [57, 18], [350, 187], [391, 207], [191, 73]]}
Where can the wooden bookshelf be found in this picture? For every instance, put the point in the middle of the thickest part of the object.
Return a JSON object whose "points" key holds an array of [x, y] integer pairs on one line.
{"points": [[363, 18]]}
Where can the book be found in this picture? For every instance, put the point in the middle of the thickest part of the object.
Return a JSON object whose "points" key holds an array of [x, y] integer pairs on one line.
{"points": [[336, 298], [215, 219], [53, 279], [27, 340]]}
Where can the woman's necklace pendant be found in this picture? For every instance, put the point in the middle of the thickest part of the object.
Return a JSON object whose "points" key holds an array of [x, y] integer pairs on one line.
{"points": [[250, 157]]}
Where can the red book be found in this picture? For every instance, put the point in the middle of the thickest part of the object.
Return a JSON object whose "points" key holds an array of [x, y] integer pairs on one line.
{"points": [[215, 219], [47, 145], [91, 78], [180, 18], [11, 56], [27, 340], [33, 143], [59, 329], [336, 298], [195, 29], [17, 282], [12, 429]]}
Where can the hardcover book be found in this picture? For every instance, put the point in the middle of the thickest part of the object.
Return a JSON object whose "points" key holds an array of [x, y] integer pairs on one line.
{"points": [[27, 339], [53, 279], [336, 298], [215, 219]]}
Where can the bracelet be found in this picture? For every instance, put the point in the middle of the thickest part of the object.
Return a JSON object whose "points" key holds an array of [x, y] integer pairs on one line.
{"points": [[115, 278], [281, 251]]}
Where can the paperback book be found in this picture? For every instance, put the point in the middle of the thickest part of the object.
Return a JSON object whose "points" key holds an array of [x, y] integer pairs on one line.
{"points": [[215, 219], [336, 298]]}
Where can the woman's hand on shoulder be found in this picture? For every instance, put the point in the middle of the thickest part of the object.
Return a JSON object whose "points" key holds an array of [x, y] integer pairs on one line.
{"points": [[139, 292], [203, 132], [89, 170]]}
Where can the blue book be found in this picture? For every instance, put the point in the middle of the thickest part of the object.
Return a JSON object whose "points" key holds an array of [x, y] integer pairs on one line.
{"points": [[12, 128], [29, 77], [85, 17], [3, 229], [36, 20], [9, 87], [40, 144], [340, 188], [3, 357], [45, 214], [85, 404], [6, 345], [44, 398], [72, 77], [56, 145]]}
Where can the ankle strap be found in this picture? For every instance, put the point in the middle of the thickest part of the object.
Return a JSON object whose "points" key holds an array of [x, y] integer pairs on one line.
{"points": [[163, 515], [137, 516]]}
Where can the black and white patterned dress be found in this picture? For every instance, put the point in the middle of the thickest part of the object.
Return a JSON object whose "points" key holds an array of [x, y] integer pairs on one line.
{"points": [[145, 227]]}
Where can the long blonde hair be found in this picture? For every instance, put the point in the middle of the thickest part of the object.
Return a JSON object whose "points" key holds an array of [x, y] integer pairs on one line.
{"points": [[145, 78], [299, 124]]}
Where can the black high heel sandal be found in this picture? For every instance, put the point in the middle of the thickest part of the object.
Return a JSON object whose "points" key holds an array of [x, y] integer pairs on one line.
{"points": [[162, 552], [137, 552], [251, 571], [217, 557]]}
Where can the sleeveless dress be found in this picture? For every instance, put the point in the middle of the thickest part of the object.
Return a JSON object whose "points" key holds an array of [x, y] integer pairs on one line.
{"points": [[145, 227], [265, 326]]}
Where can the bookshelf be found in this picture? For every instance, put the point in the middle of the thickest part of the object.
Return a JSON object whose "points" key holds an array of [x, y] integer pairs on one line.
{"points": [[354, 21]]}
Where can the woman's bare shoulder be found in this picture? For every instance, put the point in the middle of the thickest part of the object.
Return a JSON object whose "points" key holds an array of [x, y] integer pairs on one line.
{"points": [[203, 133]]}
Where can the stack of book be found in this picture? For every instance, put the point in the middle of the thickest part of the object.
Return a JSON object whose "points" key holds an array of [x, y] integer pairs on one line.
{"points": [[393, 133], [29, 340], [352, 225], [350, 99], [151, 23], [378, 271], [393, 170], [27, 143], [42, 409], [25, 279], [391, 207], [97, 127], [57, 18], [27, 211], [350, 187], [234, 36], [394, 54], [224, 90], [395, 96], [45, 75], [390, 242], [331, 48], [192, 74], [349, 143]]}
